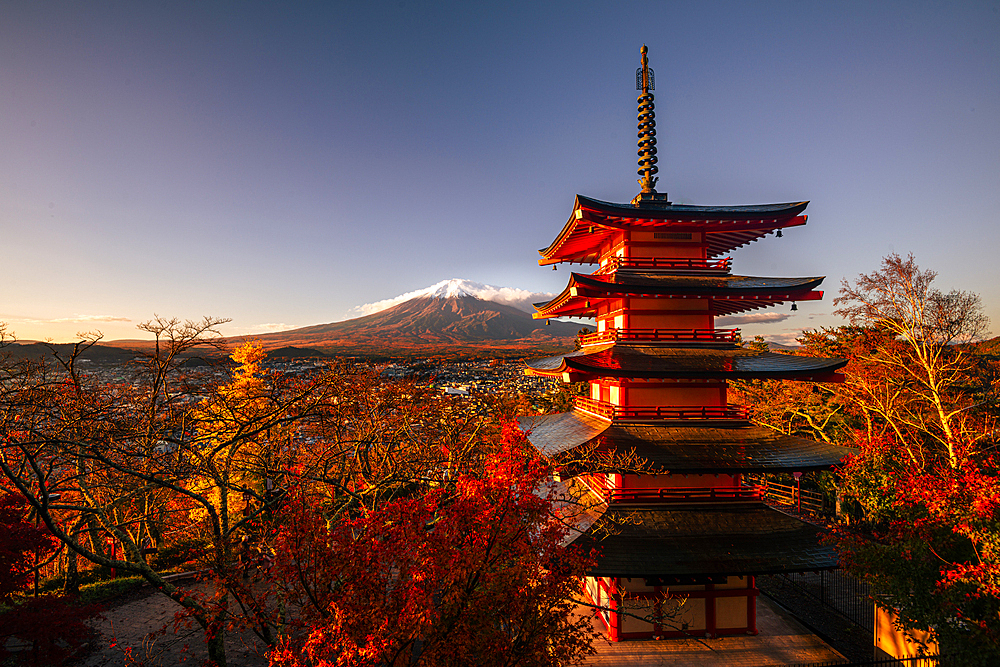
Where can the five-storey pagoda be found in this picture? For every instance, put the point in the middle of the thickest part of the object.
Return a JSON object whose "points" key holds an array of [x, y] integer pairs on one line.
{"points": [[690, 526]]}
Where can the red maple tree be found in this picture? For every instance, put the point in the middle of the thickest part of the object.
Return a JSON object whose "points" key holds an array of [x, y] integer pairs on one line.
{"points": [[22, 544], [472, 570], [33, 630]]}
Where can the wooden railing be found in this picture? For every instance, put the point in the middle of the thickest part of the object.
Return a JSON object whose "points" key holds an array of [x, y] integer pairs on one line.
{"points": [[608, 411], [720, 336], [596, 408], [687, 494], [785, 494], [662, 264]]}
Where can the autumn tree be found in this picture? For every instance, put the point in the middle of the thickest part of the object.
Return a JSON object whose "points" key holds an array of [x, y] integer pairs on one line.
{"points": [[919, 404], [926, 473], [109, 467], [922, 387], [806, 409], [113, 470], [47, 628], [22, 545], [471, 570]]}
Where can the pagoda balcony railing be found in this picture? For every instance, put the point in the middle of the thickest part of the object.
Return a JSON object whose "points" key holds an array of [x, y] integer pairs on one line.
{"points": [[611, 412], [682, 265], [685, 495], [704, 336]]}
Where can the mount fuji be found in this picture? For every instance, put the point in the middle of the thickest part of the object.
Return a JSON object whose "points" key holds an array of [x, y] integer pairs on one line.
{"points": [[450, 317]]}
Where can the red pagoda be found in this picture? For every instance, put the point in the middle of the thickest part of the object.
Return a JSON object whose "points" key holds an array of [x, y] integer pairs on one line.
{"points": [[689, 527]]}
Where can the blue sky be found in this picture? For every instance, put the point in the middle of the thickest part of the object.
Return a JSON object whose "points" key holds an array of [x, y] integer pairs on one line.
{"points": [[282, 163]]}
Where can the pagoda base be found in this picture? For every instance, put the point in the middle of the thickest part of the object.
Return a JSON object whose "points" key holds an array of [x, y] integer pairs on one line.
{"points": [[675, 570], [634, 608]]}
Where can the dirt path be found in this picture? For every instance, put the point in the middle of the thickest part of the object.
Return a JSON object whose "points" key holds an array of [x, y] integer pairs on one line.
{"points": [[139, 630]]}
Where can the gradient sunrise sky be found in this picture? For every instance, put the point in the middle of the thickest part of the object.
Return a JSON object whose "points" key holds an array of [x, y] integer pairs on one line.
{"points": [[283, 163]]}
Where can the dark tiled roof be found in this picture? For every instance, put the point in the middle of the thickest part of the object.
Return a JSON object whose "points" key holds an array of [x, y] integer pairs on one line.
{"points": [[726, 227], [554, 434], [672, 211], [684, 449], [727, 294], [685, 542], [656, 283], [650, 361]]}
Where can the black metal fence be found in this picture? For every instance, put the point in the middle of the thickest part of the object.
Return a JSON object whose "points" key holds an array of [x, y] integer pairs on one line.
{"points": [[913, 661], [835, 590]]}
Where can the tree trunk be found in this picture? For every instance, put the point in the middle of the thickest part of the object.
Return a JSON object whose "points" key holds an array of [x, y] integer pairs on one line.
{"points": [[217, 649], [72, 582]]}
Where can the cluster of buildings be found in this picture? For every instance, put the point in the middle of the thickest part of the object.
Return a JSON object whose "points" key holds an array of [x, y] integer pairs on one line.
{"points": [[469, 377]]}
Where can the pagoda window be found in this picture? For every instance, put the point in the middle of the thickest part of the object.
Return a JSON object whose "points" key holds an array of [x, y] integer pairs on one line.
{"points": [[668, 251], [677, 394], [678, 481], [615, 397], [672, 237], [647, 303], [686, 320]]}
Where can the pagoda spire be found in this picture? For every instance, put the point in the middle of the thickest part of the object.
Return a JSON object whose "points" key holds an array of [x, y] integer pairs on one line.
{"points": [[647, 126]]}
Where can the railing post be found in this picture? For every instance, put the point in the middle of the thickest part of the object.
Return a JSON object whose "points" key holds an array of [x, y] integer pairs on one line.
{"points": [[798, 490]]}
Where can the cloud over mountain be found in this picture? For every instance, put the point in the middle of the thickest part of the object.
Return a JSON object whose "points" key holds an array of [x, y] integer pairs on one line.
{"points": [[457, 287]]}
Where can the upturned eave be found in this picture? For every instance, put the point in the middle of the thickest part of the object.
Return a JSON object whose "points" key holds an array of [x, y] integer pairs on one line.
{"points": [[728, 294], [726, 227], [626, 361]]}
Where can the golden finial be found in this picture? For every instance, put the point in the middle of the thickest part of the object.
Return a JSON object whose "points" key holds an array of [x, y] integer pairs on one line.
{"points": [[645, 71], [647, 126]]}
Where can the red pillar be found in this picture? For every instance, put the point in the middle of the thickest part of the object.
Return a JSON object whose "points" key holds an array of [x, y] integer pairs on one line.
{"points": [[710, 630]]}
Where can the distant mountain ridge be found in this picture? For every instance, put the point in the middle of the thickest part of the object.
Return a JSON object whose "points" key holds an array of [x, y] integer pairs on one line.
{"points": [[431, 324]]}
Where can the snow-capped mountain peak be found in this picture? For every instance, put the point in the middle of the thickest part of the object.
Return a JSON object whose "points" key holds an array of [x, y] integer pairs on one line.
{"points": [[455, 287], [458, 287]]}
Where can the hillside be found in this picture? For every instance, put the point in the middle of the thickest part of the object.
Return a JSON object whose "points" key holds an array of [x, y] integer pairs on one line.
{"points": [[101, 353], [432, 326]]}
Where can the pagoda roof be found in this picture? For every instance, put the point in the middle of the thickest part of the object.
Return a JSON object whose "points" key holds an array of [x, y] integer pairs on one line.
{"points": [[729, 294], [679, 543], [625, 360], [732, 448], [727, 227]]}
